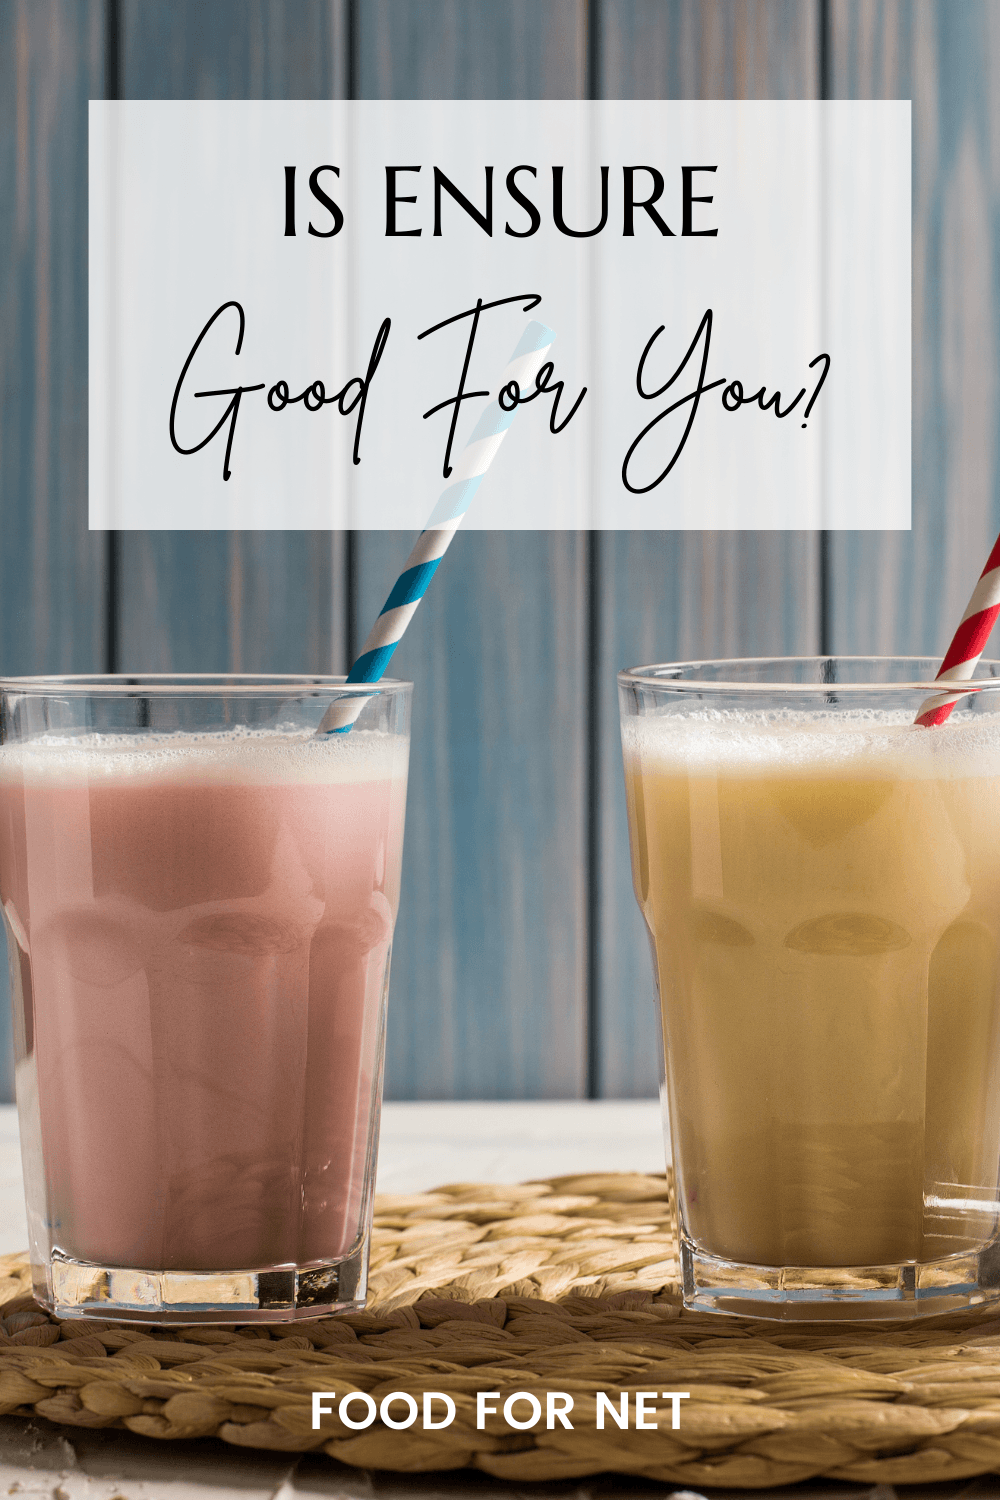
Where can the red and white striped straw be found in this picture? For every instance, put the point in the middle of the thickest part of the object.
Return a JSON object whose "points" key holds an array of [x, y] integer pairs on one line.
{"points": [[968, 643]]}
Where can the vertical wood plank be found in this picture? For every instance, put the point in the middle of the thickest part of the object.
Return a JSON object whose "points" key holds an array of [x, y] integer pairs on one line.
{"points": [[676, 596], [489, 962], [52, 601], [52, 570], [906, 591], [234, 49], [472, 49], [233, 601], [709, 49], [488, 986]]}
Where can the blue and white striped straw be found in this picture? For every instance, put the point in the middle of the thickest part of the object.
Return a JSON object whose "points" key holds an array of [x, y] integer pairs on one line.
{"points": [[433, 542]]}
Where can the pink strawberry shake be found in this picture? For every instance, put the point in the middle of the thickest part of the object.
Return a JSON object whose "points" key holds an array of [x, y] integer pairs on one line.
{"points": [[200, 926]]}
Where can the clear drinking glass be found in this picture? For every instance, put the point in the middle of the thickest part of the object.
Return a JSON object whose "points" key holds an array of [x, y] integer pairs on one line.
{"points": [[821, 884], [199, 895]]}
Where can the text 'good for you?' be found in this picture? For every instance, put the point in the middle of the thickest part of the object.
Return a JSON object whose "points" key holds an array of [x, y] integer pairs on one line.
{"points": [[648, 460]]}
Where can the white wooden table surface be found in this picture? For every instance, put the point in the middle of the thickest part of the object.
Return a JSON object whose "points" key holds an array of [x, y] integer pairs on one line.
{"points": [[423, 1145]]}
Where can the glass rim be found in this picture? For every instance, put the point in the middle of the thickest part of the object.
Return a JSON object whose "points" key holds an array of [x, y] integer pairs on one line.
{"points": [[203, 684], [679, 676]]}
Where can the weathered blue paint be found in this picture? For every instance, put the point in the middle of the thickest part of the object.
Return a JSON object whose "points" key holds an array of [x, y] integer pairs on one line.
{"points": [[233, 601], [899, 591], [52, 570], [489, 981], [677, 596]]}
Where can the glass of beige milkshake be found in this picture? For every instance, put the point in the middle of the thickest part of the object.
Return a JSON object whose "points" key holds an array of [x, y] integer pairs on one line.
{"points": [[199, 894], [821, 884]]}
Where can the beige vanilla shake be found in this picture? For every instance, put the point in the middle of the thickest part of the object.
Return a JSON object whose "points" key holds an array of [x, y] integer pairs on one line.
{"points": [[824, 901]]}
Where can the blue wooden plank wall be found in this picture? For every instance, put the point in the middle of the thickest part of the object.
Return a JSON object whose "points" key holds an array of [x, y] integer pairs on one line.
{"points": [[520, 967], [489, 981], [53, 580], [681, 596], [231, 601], [899, 591]]}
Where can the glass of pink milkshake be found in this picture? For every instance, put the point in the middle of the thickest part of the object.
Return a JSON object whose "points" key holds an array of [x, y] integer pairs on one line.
{"points": [[199, 894]]}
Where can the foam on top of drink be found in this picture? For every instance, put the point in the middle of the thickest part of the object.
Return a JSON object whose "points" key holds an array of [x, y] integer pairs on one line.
{"points": [[243, 755], [852, 742]]}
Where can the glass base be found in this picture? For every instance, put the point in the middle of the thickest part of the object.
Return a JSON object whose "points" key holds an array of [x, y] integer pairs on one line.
{"points": [[955, 1283], [71, 1288]]}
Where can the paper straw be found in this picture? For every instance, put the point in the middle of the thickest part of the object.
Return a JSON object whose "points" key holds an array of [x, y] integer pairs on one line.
{"points": [[433, 542], [968, 642]]}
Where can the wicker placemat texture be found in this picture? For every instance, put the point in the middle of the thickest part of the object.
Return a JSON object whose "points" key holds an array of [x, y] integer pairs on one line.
{"points": [[568, 1285]]}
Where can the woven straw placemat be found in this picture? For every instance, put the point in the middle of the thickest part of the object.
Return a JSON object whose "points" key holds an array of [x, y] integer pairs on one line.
{"points": [[567, 1285]]}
